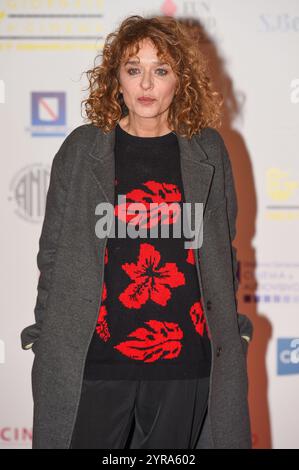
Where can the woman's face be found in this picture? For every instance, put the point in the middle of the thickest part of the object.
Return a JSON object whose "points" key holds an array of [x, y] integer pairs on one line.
{"points": [[144, 75]]}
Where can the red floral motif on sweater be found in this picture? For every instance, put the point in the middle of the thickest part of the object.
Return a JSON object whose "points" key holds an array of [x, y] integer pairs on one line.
{"points": [[102, 326], [190, 256], [151, 281], [161, 340], [162, 194], [198, 318]]}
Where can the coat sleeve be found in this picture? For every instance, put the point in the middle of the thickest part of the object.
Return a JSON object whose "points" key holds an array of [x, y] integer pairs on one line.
{"points": [[245, 324], [48, 241]]}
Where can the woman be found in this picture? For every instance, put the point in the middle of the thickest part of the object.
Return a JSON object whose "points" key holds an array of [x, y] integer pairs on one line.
{"points": [[136, 345]]}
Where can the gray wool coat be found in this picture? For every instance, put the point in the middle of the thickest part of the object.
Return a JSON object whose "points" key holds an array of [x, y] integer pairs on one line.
{"points": [[71, 264]]}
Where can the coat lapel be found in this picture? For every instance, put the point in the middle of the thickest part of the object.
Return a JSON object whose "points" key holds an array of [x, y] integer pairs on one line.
{"points": [[197, 172]]}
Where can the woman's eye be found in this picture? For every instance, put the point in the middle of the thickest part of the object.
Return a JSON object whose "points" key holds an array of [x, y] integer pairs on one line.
{"points": [[129, 71], [164, 72]]}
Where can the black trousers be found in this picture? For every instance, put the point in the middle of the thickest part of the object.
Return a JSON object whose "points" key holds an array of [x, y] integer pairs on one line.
{"points": [[140, 414]]}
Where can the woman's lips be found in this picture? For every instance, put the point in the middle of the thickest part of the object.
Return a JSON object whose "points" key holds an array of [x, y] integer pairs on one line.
{"points": [[146, 100]]}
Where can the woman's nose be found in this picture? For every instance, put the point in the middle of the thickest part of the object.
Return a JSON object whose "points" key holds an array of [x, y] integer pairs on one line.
{"points": [[146, 81]]}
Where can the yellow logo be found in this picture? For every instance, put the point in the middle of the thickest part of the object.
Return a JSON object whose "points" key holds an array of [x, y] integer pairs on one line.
{"points": [[280, 187]]}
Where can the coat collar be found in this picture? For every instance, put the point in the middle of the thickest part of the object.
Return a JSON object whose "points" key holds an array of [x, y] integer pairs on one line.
{"points": [[197, 172]]}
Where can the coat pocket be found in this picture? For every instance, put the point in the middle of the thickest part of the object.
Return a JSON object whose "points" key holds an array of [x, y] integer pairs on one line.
{"points": [[30, 334]]}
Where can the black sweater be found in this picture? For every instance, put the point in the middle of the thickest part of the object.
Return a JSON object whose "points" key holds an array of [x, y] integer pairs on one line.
{"points": [[151, 325]]}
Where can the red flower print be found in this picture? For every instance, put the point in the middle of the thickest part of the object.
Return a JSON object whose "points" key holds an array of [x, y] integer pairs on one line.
{"points": [[149, 280], [190, 256], [159, 193], [102, 326], [198, 318], [160, 341], [104, 293], [106, 256]]}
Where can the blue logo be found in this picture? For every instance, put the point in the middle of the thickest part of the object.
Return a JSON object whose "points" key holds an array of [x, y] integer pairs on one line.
{"points": [[288, 356], [48, 114]]}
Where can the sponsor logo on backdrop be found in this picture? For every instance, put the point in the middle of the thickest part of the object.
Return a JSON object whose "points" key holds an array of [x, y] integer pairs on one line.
{"points": [[195, 10], [28, 192], [48, 114], [51, 25], [287, 356], [169, 8], [15, 437], [278, 23], [275, 282], [282, 190]]}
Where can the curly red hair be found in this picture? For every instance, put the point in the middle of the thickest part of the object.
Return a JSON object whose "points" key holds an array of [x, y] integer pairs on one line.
{"points": [[194, 106]]}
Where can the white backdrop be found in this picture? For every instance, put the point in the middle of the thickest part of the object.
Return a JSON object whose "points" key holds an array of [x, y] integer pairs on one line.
{"points": [[253, 52]]}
